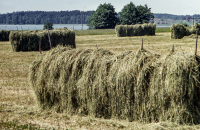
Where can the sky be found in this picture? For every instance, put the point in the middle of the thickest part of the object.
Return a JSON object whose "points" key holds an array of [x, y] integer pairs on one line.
{"points": [[176, 7]]}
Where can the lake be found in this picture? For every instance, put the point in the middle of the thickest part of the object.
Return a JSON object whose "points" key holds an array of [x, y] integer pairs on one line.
{"points": [[40, 26]]}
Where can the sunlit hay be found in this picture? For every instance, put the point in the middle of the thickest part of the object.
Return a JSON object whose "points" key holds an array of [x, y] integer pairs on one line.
{"points": [[29, 40], [64, 28], [4, 35], [135, 30], [175, 91], [137, 86]]}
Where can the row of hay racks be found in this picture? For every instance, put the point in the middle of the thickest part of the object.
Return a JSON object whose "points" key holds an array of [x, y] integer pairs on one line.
{"points": [[138, 86], [135, 30], [29, 40], [178, 31], [4, 35]]}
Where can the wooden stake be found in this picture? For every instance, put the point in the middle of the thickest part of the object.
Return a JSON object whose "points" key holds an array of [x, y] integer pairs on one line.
{"points": [[173, 48], [96, 46], [49, 39], [196, 42], [40, 47], [142, 44]]}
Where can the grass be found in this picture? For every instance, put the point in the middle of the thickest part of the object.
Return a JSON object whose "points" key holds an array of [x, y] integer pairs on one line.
{"points": [[18, 106], [163, 30]]}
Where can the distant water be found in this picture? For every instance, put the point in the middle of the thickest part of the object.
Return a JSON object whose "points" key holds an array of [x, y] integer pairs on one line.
{"points": [[40, 26]]}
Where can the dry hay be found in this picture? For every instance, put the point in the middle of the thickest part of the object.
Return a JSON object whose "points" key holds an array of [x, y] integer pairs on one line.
{"points": [[178, 31], [140, 85], [4, 35], [29, 40], [135, 30]]}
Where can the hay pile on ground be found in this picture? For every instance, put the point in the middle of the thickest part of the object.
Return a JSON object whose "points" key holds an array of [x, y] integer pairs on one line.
{"points": [[140, 86], [135, 30], [64, 28], [29, 40], [4, 35], [178, 31]]}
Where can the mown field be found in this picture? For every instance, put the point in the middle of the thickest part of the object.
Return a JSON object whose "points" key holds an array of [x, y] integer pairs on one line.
{"points": [[18, 107]]}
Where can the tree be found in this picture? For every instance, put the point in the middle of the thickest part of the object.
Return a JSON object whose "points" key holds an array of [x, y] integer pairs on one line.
{"points": [[48, 25], [104, 17], [131, 14]]}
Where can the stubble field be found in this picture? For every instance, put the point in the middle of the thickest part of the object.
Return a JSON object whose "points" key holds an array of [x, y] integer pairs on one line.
{"points": [[18, 107]]}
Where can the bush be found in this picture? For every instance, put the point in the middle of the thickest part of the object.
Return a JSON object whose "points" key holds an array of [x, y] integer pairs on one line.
{"points": [[48, 25]]}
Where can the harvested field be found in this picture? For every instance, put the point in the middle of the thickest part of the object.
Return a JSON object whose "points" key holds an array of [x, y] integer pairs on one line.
{"points": [[18, 104]]}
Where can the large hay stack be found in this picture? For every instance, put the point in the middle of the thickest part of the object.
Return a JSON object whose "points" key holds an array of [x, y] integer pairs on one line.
{"points": [[29, 40], [140, 86], [4, 35], [135, 30], [178, 31]]}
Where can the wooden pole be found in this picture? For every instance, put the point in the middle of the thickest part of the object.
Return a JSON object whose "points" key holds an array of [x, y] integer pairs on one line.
{"points": [[49, 39], [173, 48], [142, 44], [96, 46], [196, 42], [40, 47]]}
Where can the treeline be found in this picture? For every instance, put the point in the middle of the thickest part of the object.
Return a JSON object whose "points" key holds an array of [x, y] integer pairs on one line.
{"points": [[67, 17], [40, 17], [176, 17]]}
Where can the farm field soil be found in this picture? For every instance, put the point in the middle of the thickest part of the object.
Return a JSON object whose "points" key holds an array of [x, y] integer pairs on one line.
{"points": [[17, 100]]}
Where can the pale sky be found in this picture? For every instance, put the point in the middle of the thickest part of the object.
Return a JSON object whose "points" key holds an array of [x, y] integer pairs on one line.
{"points": [[177, 7]]}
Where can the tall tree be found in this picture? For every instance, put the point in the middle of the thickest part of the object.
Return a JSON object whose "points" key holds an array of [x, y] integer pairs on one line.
{"points": [[104, 17], [132, 14]]}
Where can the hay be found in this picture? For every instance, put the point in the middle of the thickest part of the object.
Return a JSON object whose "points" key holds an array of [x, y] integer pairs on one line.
{"points": [[135, 30], [29, 40], [140, 86], [178, 31], [4, 35]]}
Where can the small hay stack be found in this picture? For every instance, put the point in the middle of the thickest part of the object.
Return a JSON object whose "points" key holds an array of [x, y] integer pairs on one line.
{"points": [[135, 30], [138, 86], [178, 31], [4, 35], [29, 40]]}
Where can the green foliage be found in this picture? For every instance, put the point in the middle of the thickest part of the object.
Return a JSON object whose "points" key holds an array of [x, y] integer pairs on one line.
{"points": [[104, 17], [132, 14], [39, 17], [48, 25], [185, 24]]}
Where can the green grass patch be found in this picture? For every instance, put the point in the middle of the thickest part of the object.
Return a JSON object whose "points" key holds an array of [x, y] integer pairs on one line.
{"points": [[95, 32], [162, 29]]}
